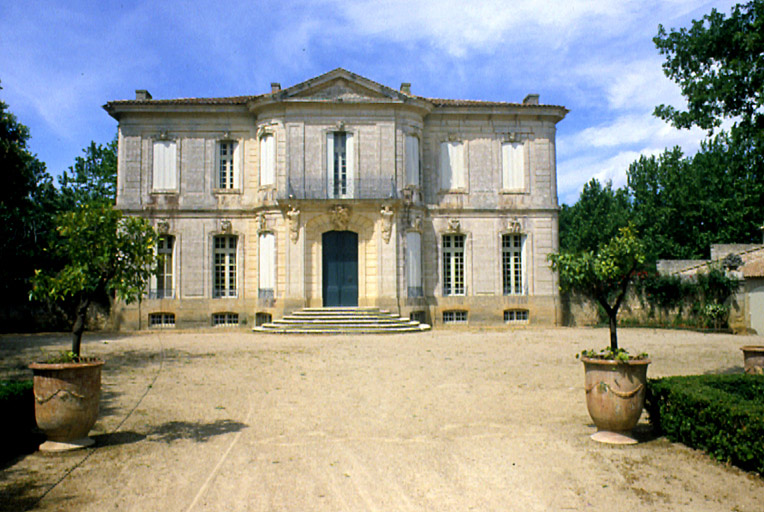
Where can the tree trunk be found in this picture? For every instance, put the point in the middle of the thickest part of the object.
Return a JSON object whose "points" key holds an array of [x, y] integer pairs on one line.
{"points": [[79, 325], [613, 325]]}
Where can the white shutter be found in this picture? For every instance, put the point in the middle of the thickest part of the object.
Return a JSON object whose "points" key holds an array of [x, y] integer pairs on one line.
{"points": [[445, 166], [412, 160], [513, 166], [267, 160], [456, 157], [267, 249], [164, 170], [237, 152], [330, 164], [414, 259], [350, 155]]}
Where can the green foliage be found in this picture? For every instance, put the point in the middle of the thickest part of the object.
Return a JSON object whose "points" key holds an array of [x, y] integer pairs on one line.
{"points": [[92, 179], [594, 219], [720, 414], [27, 197], [602, 277], [718, 64], [608, 354], [13, 389], [103, 252]]}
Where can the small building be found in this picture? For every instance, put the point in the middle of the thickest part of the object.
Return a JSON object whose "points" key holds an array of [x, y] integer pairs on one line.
{"points": [[340, 191]]}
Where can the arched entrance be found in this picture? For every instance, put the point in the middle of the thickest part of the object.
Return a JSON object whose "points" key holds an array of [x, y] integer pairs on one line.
{"points": [[340, 268]]}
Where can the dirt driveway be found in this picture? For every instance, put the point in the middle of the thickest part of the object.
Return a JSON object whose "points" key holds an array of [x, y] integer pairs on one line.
{"points": [[441, 420]]}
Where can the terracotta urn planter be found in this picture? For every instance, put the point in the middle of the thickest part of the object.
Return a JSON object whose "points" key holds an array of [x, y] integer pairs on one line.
{"points": [[615, 396], [66, 402], [753, 359]]}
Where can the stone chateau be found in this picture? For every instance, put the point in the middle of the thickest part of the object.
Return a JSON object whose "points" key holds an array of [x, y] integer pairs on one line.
{"points": [[340, 191]]}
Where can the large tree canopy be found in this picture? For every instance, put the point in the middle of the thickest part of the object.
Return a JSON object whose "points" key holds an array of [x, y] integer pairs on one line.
{"points": [[92, 178], [719, 65]]}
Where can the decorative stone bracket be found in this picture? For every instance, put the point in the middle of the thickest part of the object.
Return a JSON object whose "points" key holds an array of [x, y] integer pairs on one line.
{"points": [[387, 222], [225, 226], [293, 219], [340, 217]]}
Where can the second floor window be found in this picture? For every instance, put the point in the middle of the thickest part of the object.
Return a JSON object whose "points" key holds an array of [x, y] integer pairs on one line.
{"points": [[340, 164], [227, 163], [165, 174], [267, 159], [224, 267], [412, 160], [453, 174], [512, 166]]}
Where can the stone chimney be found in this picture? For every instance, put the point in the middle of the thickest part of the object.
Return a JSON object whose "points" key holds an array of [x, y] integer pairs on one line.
{"points": [[406, 88], [142, 95], [531, 99], [275, 87]]}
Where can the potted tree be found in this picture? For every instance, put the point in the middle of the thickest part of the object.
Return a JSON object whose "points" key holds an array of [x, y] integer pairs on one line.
{"points": [[102, 254], [615, 381]]}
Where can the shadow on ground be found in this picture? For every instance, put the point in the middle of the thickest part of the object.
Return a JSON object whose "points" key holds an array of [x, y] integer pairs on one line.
{"points": [[195, 431]]}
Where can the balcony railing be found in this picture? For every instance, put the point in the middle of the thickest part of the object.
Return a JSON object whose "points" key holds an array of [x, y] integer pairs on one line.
{"points": [[367, 188]]}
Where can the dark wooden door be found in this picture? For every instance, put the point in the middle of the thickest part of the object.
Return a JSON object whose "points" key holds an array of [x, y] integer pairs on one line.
{"points": [[340, 268]]}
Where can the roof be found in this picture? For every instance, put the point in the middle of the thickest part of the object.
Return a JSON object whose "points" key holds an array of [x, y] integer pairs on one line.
{"points": [[318, 81]]}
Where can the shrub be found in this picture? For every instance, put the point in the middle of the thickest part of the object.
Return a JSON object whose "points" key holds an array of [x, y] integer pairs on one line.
{"points": [[18, 425], [720, 414]]}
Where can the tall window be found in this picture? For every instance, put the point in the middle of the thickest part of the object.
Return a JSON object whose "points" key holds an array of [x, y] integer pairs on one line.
{"points": [[162, 281], [453, 264], [414, 264], [224, 267], [453, 174], [267, 159], [512, 166], [267, 249], [341, 164], [165, 166], [512, 264], [228, 165], [412, 160]]}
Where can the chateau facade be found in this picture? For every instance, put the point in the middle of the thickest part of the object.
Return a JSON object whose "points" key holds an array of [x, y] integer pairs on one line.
{"points": [[340, 191]]}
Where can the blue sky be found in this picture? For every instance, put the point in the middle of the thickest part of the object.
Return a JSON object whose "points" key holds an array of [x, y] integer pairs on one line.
{"points": [[60, 61]]}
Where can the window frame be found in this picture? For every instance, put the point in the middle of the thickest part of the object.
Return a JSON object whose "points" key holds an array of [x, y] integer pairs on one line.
{"points": [[417, 161], [225, 266], [335, 188], [513, 255], [165, 269], [454, 264], [169, 182], [232, 182], [267, 148], [455, 180], [513, 164], [264, 292]]}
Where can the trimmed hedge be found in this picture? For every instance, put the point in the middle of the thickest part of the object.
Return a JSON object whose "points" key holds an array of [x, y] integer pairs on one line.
{"points": [[18, 427], [720, 414]]}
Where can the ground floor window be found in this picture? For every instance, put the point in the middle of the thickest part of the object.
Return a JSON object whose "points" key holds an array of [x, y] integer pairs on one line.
{"points": [[224, 267], [161, 319], [262, 318], [267, 251], [516, 316], [453, 265], [414, 264], [225, 319], [512, 264], [418, 316], [454, 317], [162, 281]]}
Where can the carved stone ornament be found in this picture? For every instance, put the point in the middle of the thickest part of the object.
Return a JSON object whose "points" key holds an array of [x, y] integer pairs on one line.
{"points": [[293, 218], [387, 223], [514, 225], [262, 224], [225, 226], [340, 217], [454, 225], [416, 223], [163, 227]]}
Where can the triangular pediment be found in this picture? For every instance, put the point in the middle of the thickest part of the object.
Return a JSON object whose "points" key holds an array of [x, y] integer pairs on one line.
{"points": [[340, 85], [339, 89]]}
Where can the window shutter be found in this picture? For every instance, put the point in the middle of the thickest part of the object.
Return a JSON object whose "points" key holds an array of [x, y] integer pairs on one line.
{"points": [[267, 261], [414, 259], [164, 170], [445, 166], [456, 157], [330, 164], [267, 160], [350, 155], [412, 160], [237, 151], [513, 165]]}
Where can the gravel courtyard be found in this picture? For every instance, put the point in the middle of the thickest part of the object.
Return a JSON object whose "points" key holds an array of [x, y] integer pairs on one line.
{"points": [[435, 421]]}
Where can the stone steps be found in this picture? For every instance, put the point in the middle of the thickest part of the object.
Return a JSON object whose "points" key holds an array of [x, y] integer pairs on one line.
{"points": [[341, 321]]}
